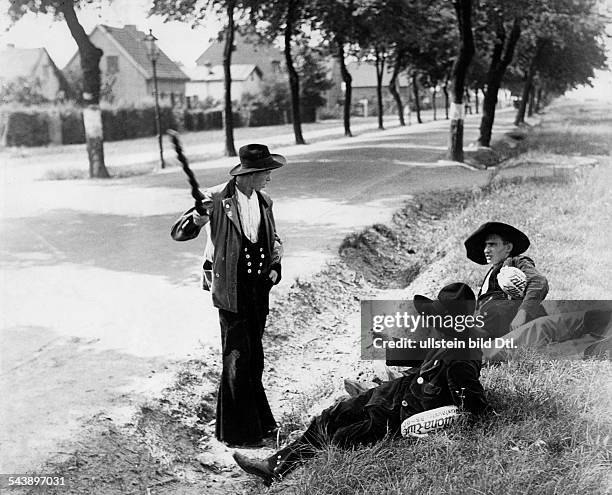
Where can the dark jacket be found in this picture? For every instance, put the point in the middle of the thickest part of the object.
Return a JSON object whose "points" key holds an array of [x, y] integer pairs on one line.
{"points": [[224, 241], [441, 380]]}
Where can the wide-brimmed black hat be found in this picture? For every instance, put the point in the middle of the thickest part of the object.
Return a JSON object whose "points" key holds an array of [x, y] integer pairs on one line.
{"points": [[475, 243], [454, 299], [257, 158]]}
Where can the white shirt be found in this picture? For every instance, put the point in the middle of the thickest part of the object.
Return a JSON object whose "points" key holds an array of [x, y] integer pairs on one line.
{"points": [[485, 284], [250, 216]]}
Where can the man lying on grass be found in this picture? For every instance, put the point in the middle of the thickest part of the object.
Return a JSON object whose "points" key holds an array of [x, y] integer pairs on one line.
{"points": [[446, 377]]}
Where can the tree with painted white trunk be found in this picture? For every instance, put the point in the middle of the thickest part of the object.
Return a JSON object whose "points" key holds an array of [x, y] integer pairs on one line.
{"points": [[90, 56], [463, 10]]}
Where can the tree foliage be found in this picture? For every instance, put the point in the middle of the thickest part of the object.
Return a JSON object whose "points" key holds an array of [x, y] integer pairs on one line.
{"points": [[24, 91]]}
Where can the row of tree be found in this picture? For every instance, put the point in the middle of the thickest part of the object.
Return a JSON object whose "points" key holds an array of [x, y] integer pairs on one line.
{"points": [[549, 46]]}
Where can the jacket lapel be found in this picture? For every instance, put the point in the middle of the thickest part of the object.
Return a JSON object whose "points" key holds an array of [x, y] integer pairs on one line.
{"points": [[265, 218], [230, 206]]}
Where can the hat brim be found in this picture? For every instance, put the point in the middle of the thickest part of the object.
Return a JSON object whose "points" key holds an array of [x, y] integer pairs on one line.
{"points": [[427, 306], [475, 243], [272, 162]]}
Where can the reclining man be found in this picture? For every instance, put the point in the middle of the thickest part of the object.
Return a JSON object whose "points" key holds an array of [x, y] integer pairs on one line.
{"points": [[446, 377]]}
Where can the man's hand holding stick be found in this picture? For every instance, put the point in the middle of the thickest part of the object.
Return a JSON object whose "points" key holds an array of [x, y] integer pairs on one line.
{"points": [[196, 194]]}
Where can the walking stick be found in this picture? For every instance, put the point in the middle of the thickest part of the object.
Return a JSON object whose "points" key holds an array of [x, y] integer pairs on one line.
{"points": [[193, 182]]}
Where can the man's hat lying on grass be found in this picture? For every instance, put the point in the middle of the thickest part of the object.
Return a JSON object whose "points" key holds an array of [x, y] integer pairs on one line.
{"points": [[475, 243]]}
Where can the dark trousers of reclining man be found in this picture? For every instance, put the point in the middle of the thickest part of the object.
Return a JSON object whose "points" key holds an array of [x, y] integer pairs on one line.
{"points": [[446, 377]]}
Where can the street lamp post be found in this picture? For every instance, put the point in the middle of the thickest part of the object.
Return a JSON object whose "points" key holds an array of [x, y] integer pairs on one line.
{"points": [[153, 54]]}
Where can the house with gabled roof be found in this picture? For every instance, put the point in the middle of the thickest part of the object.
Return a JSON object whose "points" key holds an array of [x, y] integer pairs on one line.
{"points": [[33, 66], [248, 50], [126, 70], [363, 85], [207, 81]]}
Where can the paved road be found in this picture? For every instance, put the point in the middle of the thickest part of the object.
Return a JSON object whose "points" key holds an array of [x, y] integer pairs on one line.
{"points": [[97, 298]]}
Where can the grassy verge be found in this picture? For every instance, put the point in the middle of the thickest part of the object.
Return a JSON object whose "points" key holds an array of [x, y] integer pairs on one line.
{"points": [[114, 172], [552, 436]]}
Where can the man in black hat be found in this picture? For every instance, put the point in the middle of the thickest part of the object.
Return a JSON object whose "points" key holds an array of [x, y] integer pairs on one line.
{"points": [[513, 307], [501, 246], [445, 378], [242, 261]]}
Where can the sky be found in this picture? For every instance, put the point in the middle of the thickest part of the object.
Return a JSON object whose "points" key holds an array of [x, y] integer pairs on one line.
{"points": [[178, 40]]}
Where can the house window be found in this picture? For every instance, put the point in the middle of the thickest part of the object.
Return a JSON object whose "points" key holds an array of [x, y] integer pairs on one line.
{"points": [[275, 66], [112, 64], [45, 71]]}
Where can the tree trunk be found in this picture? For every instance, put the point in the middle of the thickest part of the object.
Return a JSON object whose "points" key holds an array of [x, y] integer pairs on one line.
{"points": [[476, 100], [503, 52], [520, 114], [415, 90], [230, 149], [538, 102], [395, 92], [346, 77], [531, 101], [463, 9], [90, 56], [380, 67], [294, 80], [445, 90], [433, 103]]}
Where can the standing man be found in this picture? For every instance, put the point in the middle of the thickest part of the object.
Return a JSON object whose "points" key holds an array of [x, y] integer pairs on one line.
{"points": [[241, 263], [501, 245]]}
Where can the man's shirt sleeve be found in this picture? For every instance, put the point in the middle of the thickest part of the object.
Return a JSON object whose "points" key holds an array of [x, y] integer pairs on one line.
{"points": [[185, 228], [537, 285]]}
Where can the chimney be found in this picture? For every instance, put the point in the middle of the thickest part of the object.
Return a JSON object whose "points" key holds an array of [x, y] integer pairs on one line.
{"points": [[131, 28]]}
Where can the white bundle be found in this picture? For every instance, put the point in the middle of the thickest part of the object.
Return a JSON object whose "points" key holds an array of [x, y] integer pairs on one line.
{"points": [[512, 281]]}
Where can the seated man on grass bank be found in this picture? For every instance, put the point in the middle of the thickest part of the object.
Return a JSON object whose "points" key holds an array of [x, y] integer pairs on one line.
{"points": [[501, 246], [446, 377], [510, 297]]}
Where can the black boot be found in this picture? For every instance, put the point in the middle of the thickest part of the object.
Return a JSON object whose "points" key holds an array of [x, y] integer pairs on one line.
{"points": [[257, 467], [275, 467]]}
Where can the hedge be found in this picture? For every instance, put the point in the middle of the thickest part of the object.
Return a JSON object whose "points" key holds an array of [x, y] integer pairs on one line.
{"points": [[26, 128], [201, 120], [30, 126]]}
